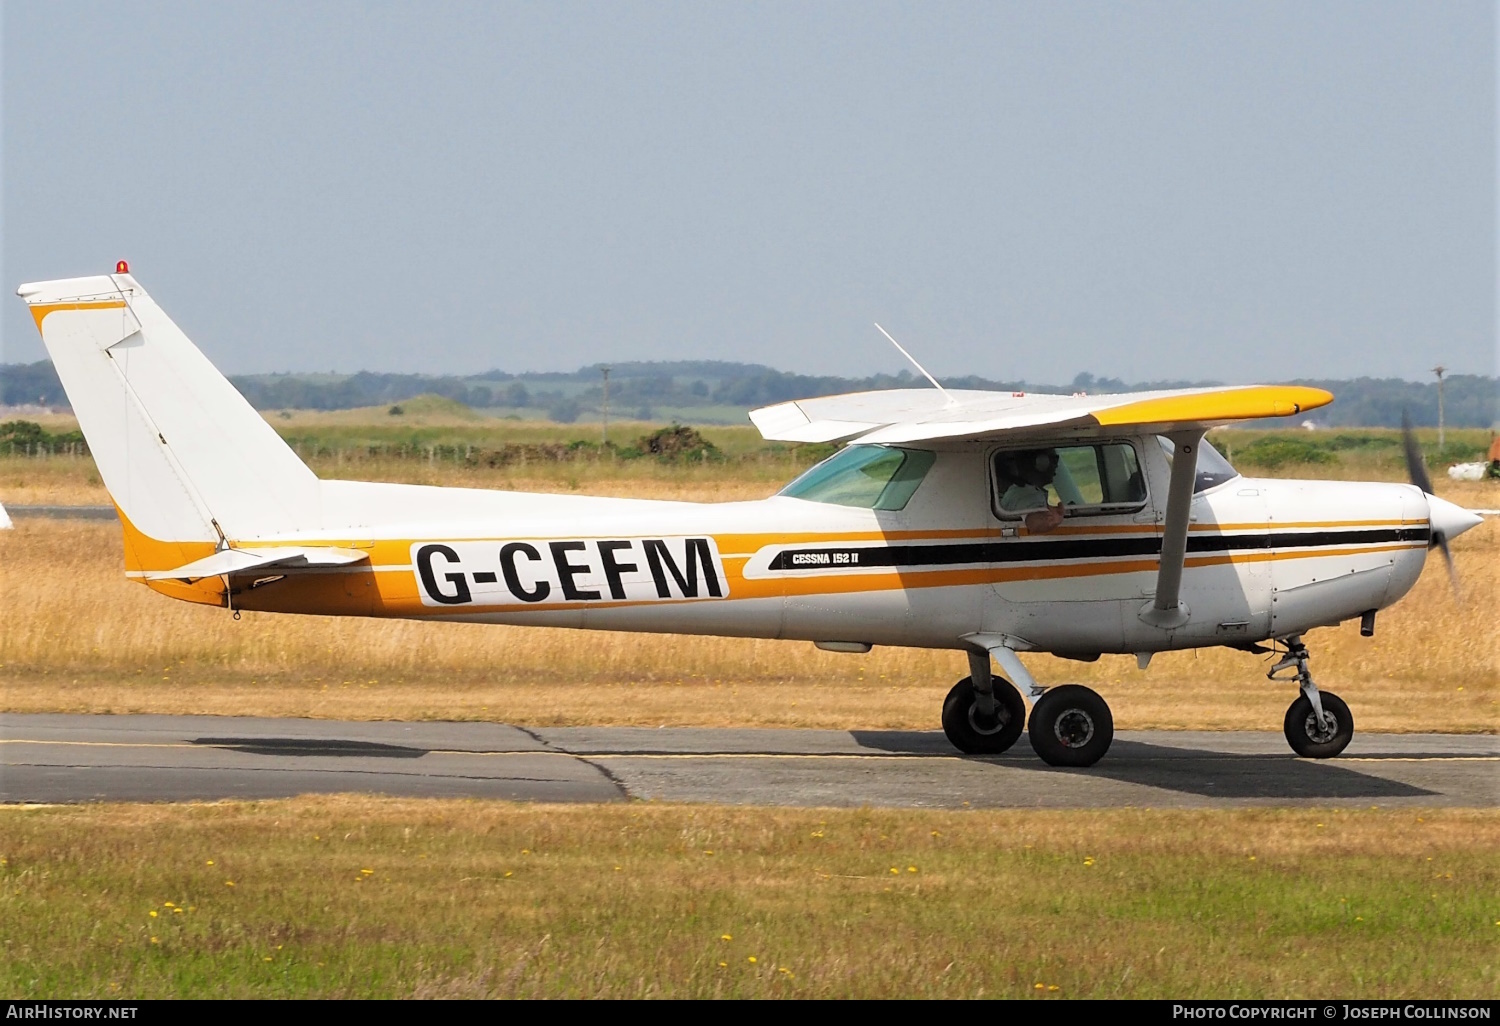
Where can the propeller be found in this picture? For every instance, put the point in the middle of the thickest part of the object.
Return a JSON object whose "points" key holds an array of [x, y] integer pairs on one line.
{"points": [[1416, 466], [1446, 519]]}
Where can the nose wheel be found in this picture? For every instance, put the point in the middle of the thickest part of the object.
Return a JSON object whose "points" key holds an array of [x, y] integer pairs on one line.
{"points": [[1313, 738], [1319, 724]]}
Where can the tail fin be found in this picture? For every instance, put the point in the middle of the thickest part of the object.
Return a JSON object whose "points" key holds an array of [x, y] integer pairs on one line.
{"points": [[182, 453]]}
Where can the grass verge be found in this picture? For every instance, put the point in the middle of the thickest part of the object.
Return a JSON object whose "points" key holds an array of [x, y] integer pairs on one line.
{"points": [[367, 897]]}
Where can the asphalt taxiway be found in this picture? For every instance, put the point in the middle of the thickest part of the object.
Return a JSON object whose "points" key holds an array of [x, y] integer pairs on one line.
{"points": [[73, 758]]}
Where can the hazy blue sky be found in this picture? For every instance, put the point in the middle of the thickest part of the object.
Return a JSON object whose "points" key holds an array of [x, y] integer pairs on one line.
{"points": [[1239, 191]]}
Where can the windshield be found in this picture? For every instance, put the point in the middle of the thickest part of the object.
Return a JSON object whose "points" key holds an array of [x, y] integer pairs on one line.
{"points": [[1213, 468], [864, 476]]}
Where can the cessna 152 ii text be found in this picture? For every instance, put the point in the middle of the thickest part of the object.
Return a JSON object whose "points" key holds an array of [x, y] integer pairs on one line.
{"points": [[992, 523]]}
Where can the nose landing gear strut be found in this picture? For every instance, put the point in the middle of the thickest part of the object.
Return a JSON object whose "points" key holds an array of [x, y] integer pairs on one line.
{"points": [[1318, 724]]}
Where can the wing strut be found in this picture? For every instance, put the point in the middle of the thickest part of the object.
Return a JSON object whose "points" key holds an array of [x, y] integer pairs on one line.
{"points": [[1167, 610]]}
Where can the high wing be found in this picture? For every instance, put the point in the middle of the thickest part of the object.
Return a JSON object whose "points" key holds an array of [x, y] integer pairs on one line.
{"points": [[1182, 415], [920, 414]]}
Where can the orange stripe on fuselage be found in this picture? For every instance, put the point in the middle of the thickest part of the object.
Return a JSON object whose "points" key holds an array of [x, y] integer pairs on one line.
{"points": [[1261, 557], [1074, 530]]}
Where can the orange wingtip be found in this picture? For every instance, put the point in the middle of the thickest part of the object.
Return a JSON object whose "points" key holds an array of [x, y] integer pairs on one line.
{"points": [[1249, 403]]}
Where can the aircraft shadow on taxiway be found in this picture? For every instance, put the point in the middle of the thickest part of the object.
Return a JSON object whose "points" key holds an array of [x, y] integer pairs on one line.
{"points": [[1189, 771], [293, 746]]}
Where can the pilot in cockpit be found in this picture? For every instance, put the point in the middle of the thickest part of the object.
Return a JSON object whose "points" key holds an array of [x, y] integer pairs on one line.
{"points": [[1024, 479]]}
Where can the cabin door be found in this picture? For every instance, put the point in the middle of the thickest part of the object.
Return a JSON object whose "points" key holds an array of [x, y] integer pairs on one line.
{"points": [[1067, 582]]}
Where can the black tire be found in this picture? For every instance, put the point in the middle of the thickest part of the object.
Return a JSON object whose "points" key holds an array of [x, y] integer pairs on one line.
{"points": [[967, 729], [1071, 726], [1307, 738]]}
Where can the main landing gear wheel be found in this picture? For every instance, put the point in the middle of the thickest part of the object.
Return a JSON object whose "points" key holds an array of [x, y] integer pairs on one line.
{"points": [[1313, 740], [977, 734], [1071, 726]]}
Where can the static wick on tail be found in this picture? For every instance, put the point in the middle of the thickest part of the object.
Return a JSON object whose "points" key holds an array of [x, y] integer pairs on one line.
{"points": [[951, 401]]}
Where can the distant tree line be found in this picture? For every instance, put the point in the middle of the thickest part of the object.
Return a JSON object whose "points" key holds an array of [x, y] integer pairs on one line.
{"points": [[638, 388], [1468, 401], [28, 438]]}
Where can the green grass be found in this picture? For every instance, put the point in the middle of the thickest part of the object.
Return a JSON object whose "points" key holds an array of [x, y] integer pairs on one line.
{"points": [[1374, 454], [335, 897], [416, 434]]}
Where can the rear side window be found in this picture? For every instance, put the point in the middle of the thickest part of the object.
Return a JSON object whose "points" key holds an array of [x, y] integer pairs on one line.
{"points": [[1105, 477], [864, 476]]}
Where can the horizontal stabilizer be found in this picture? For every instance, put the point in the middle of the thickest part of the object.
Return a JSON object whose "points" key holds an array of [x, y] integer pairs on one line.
{"points": [[239, 561]]}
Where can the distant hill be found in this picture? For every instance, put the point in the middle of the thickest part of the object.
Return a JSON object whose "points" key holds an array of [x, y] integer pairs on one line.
{"points": [[709, 391]]}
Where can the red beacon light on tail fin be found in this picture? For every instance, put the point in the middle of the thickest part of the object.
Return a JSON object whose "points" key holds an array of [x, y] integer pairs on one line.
{"points": [[122, 268]]}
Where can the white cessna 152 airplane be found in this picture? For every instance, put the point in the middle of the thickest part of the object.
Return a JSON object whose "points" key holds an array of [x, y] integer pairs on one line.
{"points": [[987, 522]]}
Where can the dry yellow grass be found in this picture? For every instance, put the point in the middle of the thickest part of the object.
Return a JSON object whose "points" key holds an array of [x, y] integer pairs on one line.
{"points": [[51, 481], [79, 637]]}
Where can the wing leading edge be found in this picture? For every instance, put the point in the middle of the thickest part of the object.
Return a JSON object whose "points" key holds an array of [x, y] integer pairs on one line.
{"points": [[919, 414]]}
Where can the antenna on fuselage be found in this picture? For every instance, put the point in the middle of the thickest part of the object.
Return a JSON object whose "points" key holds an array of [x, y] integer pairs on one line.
{"points": [[918, 366]]}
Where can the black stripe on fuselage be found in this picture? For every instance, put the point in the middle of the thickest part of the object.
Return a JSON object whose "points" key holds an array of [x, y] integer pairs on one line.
{"points": [[848, 557]]}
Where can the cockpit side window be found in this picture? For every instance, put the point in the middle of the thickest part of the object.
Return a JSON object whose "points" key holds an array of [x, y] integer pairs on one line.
{"points": [[1087, 479], [865, 477]]}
